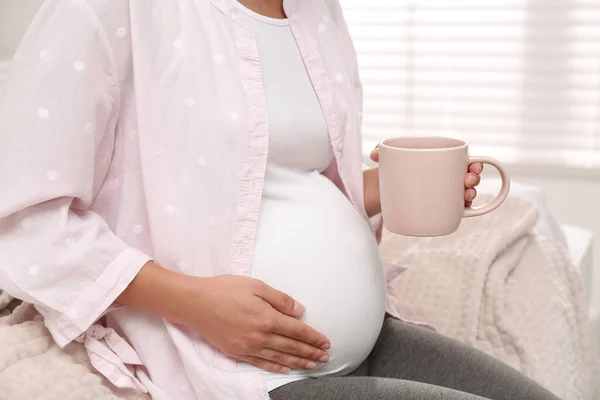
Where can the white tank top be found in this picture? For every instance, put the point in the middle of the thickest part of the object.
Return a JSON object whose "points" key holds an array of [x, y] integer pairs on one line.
{"points": [[311, 242]]}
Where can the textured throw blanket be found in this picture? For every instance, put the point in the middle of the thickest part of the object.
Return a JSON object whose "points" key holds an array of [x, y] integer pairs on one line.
{"points": [[495, 284], [498, 285], [33, 367]]}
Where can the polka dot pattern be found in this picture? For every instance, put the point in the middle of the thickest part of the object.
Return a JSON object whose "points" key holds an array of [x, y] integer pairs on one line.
{"points": [[43, 113], [170, 209], [79, 66], [121, 32], [182, 266], [52, 175], [167, 149], [26, 223], [137, 230], [242, 211], [219, 58], [34, 270], [132, 135]]}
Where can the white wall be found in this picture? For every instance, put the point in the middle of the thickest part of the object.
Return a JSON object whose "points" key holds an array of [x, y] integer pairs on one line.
{"points": [[15, 16]]}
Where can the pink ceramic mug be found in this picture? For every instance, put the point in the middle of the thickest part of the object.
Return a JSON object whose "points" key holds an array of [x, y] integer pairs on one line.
{"points": [[422, 188]]}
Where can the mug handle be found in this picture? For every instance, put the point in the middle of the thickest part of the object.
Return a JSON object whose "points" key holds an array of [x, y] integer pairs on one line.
{"points": [[499, 199]]}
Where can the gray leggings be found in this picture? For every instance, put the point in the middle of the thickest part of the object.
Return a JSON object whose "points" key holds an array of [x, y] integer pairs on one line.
{"points": [[411, 363]]}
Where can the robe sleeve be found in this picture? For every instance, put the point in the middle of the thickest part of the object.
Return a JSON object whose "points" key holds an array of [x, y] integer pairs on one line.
{"points": [[58, 114]]}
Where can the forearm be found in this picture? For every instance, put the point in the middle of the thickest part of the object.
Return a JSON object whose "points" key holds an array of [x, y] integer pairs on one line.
{"points": [[371, 191], [159, 291]]}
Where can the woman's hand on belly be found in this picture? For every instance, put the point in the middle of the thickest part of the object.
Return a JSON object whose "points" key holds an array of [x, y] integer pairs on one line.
{"points": [[243, 317], [250, 321]]}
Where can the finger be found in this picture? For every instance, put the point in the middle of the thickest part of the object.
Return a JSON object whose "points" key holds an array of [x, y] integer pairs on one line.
{"points": [[294, 329], [468, 204], [476, 168], [472, 180], [296, 348], [279, 300], [470, 194], [288, 360], [375, 154], [267, 365]]}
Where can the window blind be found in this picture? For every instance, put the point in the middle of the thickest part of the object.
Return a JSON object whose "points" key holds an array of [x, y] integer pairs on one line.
{"points": [[513, 75]]}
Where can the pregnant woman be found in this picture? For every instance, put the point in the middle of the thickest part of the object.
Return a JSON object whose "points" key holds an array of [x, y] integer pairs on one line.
{"points": [[187, 173]]}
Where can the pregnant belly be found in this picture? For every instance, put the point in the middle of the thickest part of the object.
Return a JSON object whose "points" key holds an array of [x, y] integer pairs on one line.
{"points": [[316, 247]]}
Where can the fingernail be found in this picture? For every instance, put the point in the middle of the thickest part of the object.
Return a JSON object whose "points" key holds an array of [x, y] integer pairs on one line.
{"points": [[285, 370], [326, 346], [471, 180], [324, 359], [311, 365], [473, 193], [299, 308]]}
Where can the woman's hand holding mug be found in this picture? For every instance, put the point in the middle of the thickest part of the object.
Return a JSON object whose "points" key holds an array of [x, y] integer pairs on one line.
{"points": [[426, 184], [472, 177]]}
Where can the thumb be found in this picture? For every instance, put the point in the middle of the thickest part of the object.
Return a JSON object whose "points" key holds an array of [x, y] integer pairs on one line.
{"points": [[375, 154], [281, 301]]}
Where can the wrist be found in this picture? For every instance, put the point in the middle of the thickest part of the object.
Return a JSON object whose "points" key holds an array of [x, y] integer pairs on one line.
{"points": [[371, 192], [159, 291]]}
